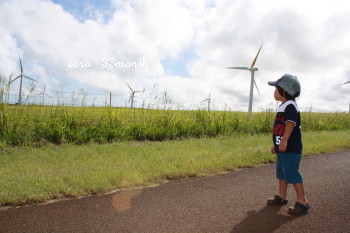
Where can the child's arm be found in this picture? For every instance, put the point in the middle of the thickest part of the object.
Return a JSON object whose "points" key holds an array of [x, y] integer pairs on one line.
{"points": [[272, 150], [287, 132]]}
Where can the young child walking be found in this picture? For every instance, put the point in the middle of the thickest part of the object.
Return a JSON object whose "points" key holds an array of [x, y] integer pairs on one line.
{"points": [[287, 144]]}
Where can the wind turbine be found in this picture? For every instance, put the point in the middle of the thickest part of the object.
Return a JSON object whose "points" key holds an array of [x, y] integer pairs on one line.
{"points": [[310, 109], [209, 102], [20, 85], [132, 95], [342, 85], [43, 94], [345, 83], [252, 69], [225, 106]]}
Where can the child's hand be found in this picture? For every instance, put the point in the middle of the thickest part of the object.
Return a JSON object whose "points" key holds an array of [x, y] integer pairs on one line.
{"points": [[287, 132], [272, 150], [283, 146]]}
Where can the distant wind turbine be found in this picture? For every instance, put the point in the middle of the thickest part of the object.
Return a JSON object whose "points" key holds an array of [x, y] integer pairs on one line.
{"points": [[209, 102], [310, 109], [21, 80], [342, 85], [252, 69], [43, 93], [225, 106], [132, 95]]}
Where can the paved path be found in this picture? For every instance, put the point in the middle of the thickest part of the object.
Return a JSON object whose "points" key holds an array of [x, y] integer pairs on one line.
{"points": [[231, 202]]}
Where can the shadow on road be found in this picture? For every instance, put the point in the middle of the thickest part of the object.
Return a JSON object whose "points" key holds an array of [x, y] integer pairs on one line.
{"points": [[266, 220]]}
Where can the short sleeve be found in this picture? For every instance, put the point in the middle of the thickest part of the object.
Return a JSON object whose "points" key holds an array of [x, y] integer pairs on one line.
{"points": [[291, 114]]}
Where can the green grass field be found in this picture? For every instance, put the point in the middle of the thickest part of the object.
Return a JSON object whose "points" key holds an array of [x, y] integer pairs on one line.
{"points": [[34, 175], [36, 125], [52, 152]]}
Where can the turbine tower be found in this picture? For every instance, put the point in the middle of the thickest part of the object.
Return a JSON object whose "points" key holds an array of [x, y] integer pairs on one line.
{"points": [[209, 102], [349, 100], [21, 80], [132, 95], [43, 93], [252, 69]]}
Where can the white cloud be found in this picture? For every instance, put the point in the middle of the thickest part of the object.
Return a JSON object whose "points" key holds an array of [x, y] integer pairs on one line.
{"points": [[295, 41], [298, 38], [9, 52]]}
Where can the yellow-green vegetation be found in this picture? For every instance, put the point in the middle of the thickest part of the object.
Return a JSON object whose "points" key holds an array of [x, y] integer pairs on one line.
{"points": [[145, 146], [36, 125], [33, 175]]}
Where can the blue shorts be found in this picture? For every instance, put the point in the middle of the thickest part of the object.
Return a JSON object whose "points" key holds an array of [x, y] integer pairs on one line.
{"points": [[287, 167]]}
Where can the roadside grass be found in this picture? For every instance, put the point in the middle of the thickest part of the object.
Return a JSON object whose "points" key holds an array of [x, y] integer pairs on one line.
{"points": [[34, 175]]}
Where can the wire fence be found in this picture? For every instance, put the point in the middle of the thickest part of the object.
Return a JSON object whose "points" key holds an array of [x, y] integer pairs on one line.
{"points": [[141, 100], [108, 99]]}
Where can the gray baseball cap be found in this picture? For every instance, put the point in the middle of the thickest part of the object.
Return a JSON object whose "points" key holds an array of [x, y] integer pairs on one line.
{"points": [[287, 82]]}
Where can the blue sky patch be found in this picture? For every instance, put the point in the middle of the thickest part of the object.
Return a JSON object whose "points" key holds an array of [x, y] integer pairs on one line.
{"points": [[178, 66], [84, 10]]}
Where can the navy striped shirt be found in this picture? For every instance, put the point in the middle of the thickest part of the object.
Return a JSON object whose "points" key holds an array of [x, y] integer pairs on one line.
{"points": [[288, 112]]}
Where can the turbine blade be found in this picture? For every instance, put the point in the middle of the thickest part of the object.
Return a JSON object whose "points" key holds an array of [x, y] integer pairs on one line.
{"points": [[238, 68], [15, 79], [20, 62], [345, 83], [256, 57], [129, 86], [38, 94], [256, 86], [30, 78]]}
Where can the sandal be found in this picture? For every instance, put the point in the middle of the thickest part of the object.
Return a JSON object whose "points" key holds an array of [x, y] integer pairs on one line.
{"points": [[298, 208], [277, 200]]}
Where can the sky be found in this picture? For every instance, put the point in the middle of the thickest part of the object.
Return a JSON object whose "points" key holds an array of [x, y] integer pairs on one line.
{"points": [[179, 49]]}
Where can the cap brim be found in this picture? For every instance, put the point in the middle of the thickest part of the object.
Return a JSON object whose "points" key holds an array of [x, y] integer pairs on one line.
{"points": [[272, 83]]}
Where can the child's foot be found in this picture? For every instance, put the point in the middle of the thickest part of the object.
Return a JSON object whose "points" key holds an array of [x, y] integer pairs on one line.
{"points": [[277, 200], [298, 208]]}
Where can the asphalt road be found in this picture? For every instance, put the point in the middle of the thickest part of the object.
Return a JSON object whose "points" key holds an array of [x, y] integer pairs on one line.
{"points": [[230, 202]]}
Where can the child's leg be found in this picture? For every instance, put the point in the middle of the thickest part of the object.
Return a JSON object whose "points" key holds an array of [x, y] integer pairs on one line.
{"points": [[283, 189], [281, 178], [281, 198], [290, 165], [299, 189]]}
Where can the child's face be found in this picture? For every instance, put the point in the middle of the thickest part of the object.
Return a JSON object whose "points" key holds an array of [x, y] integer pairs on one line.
{"points": [[278, 96]]}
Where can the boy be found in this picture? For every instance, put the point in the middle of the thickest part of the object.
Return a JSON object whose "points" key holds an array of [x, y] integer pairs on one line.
{"points": [[287, 144]]}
